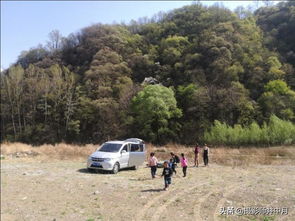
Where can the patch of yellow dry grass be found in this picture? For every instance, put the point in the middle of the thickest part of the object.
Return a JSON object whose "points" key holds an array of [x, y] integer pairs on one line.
{"points": [[58, 151], [219, 155], [232, 156]]}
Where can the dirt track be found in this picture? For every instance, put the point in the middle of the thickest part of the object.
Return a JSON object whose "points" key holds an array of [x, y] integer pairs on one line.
{"points": [[34, 189]]}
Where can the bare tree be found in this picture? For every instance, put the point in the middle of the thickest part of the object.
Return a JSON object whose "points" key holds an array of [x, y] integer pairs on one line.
{"points": [[55, 40]]}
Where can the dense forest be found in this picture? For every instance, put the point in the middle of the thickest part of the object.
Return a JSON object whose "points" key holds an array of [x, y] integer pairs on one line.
{"points": [[183, 76]]}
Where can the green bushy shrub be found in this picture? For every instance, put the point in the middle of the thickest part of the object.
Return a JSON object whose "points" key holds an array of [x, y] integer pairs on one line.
{"points": [[275, 132]]}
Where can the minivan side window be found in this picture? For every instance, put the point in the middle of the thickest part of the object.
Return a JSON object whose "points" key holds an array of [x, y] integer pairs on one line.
{"points": [[125, 148], [135, 148], [141, 147]]}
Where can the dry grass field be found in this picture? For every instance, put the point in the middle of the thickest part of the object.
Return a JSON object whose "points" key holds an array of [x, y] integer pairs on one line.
{"points": [[51, 183], [219, 155]]}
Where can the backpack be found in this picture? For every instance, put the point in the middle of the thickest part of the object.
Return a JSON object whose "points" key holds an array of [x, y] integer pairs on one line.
{"points": [[177, 160]]}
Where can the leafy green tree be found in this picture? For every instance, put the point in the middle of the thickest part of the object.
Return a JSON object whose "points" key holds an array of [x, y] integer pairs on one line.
{"points": [[107, 89], [32, 56], [173, 48], [278, 24], [155, 111], [195, 104], [106, 69], [12, 100], [278, 99]]}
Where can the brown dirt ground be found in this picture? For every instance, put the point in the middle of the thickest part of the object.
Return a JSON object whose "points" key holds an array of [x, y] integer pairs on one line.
{"points": [[34, 188]]}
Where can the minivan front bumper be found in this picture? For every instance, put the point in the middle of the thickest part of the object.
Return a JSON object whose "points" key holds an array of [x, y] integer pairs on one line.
{"points": [[104, 165]]}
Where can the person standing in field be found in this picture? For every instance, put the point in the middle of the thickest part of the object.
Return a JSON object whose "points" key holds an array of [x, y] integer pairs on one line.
{"points": [[174, 160], [153, 161], [167, 173], [184, 164], [206, 155], [170, 164], [196, 151]]}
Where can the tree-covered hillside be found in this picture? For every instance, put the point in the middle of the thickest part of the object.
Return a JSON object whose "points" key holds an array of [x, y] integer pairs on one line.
{"points": [[211, 64]]}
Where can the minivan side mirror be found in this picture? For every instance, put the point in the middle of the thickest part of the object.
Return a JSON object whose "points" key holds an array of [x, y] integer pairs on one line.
{"points": [[123, 151]]}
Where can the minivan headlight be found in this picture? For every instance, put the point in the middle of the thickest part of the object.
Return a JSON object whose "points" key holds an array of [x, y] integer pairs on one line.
{"points": [[107, 159]]}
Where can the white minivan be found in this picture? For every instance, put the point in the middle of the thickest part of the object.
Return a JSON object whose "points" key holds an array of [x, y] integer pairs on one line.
{"points": [[116, 155]]}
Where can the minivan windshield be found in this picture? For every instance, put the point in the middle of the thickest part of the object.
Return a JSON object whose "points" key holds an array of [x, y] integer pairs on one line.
{"points": [[110, 147]]}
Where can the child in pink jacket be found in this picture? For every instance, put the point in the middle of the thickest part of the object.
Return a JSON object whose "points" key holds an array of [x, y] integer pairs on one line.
{"points": [[184, 164]]}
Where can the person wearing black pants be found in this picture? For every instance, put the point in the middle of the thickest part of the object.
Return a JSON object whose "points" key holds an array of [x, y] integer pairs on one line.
{"points": [[167, 173], [184, 171], [173, 162], [153, 171], [184, 164], [206, 155]]}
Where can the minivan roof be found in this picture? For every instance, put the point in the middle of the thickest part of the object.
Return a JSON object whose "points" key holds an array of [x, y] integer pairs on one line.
{"points": [[116, 141], [135, 140], [130, 140]]}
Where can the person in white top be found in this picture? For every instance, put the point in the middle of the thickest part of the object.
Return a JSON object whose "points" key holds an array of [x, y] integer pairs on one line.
{"points": [[153, 162]]}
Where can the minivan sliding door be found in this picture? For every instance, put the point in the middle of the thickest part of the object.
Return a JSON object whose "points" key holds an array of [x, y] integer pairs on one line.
{"points": [[136, 155]]}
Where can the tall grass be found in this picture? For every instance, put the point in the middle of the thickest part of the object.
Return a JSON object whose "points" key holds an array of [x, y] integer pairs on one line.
{"points": [[58, 151], [222, 155], [276, 132]]}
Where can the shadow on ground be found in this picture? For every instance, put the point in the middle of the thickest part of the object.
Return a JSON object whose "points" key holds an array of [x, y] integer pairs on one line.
{"points": [[152, 190], [85, 170], [139, 179]]}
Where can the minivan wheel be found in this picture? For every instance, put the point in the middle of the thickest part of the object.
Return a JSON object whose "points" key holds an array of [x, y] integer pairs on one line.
{"points": [[134, 168], [116, 168]]}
